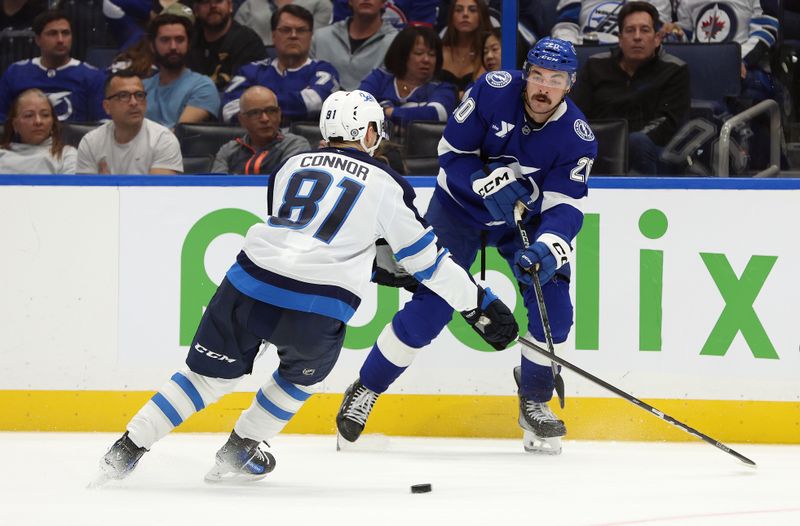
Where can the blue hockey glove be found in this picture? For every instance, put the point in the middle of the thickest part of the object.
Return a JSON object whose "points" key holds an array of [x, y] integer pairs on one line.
{"points": [[498, 186], [527, 259], [492, 320]]}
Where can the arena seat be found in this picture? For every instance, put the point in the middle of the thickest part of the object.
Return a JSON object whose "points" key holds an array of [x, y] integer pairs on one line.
{"points": [[202, 140], [16, 45], [73, 132], [198, 165], [612, 146], [309, 130]]}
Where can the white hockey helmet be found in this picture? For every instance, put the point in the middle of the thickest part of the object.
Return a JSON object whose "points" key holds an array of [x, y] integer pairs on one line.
{"points": [[346, 116]]}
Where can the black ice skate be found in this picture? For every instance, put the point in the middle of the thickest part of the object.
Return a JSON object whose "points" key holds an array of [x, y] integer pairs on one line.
{"points": [[542, 430], [120, 460], [354, 411], [241, 459]]}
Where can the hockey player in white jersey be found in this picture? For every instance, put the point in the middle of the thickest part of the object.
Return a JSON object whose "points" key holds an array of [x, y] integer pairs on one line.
{"points": [[296, 283]]}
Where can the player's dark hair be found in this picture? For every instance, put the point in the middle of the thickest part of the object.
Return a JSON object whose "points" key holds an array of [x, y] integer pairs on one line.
{"points": [[122, 74], [638, 7], [396, 60], [294, 10], [9, 135], [167, 20], [45, 17]]}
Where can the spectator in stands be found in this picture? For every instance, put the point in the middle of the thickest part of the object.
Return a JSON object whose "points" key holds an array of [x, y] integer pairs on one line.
{"points": [[754, 25], [493, 51], [31, 141], [597, 22], [263, 147], [462, 42], [74, 87], [129, 143], [638, 81], [19, 14], [177, 94], [357, 45], [257, 14], [300, 83], [405, 88], [221, 46], [398, 12]]}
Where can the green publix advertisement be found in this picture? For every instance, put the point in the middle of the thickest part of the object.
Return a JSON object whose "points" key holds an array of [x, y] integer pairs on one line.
{"points": [[737, 292]]}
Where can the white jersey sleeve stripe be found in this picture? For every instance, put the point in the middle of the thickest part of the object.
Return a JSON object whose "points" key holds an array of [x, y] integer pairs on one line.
{"points": [[428, 272], [417, 246]]}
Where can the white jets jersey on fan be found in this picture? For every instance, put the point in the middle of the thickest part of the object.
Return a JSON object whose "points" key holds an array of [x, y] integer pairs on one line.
{"points": [[741, 21], [315, 251], [587, 21]]}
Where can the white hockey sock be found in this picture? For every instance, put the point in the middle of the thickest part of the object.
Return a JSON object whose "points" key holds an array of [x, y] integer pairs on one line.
{"points": [[274, 405], [534, 356], [178, 399]]}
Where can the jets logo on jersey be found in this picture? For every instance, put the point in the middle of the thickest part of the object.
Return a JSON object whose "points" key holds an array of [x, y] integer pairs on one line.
{"points": [[505, 127], [498, 79], [61, 104], [715, 23], [583, 130], [603, 19]]}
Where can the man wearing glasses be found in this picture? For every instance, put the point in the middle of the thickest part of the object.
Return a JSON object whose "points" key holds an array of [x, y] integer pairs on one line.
{"points": [[300, 83], [129, 143], [263, 147]]}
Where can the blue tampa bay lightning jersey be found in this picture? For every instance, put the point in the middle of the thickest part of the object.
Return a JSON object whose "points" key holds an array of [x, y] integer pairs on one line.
{"points": [[300, 91], [553, 160], [433, 101], [75, 89]]}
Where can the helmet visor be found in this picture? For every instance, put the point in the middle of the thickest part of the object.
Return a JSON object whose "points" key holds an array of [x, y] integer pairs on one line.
{"points": [[550, 79]]}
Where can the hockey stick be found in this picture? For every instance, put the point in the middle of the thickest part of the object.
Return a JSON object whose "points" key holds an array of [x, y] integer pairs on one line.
{"points": [[537, 285], [632, 399]]}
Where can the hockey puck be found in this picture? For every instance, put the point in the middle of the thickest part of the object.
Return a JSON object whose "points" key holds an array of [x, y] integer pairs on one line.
{"points": [[421, 488]]}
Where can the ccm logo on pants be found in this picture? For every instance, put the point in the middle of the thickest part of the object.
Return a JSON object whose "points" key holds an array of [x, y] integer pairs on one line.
{"points": [[211, 354]]}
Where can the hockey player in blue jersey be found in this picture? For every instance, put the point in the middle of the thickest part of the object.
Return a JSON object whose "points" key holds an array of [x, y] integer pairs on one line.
{"points": [[299, 82], [515, 137], [296, 283], [74, 88]]}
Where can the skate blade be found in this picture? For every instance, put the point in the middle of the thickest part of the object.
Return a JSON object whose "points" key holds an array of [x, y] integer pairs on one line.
{"points": [[220, 474], [541, 446]]}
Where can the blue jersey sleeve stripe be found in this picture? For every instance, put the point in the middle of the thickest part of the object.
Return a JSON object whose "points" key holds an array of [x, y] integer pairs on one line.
{"points": [[765, 36], [288, 299], [417, 246], [268, 406], [428, 272], [190, 390], [289, 388], [168, 409]]}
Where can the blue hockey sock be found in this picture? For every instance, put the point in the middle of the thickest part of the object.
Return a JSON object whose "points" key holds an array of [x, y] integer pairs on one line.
{"points": [[387, 360]]}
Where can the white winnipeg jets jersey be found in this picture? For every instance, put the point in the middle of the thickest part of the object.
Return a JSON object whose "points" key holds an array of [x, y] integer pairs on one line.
{"points": [[742, 21], [587, 21], [325, 211]]}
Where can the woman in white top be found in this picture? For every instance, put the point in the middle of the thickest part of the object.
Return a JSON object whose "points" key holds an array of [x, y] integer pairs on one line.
{"points": [[31, 141]]}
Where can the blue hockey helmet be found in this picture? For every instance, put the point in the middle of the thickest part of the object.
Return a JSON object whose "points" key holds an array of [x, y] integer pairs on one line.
{"points": [[555, 54]]}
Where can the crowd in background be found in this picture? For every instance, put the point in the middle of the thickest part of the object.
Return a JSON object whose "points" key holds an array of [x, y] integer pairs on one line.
{"points": [[264, 65]]}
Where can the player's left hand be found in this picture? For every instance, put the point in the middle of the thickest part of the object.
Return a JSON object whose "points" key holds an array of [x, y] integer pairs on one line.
{"points": [[500, 189], [527, 259], [387, 271]]}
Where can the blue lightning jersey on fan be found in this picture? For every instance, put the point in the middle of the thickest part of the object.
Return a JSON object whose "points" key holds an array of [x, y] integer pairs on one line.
{"points": [[75, 89], [433, 101], [552, 160], [300, 91]]}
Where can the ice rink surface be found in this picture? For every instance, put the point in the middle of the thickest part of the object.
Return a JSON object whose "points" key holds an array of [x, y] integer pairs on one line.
{"points": [[487, 482]]}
